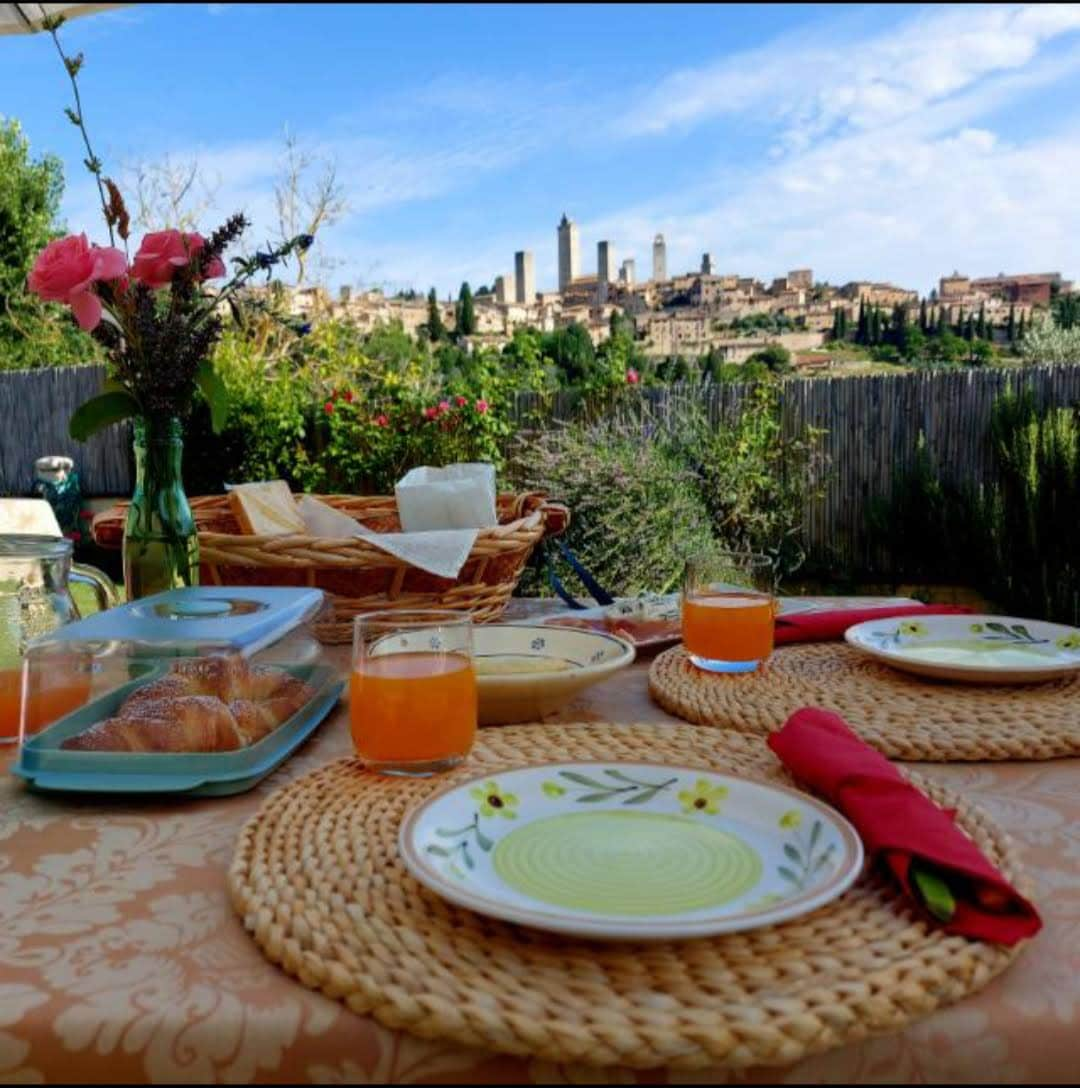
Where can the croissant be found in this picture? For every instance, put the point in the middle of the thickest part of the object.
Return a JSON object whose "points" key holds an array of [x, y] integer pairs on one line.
{"points": [[195, 723], [205, 704]]}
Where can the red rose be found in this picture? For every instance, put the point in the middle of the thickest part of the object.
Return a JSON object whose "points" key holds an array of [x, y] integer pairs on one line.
{"points": [[382, 421], [66, 270], [461, 401], [431, 413], [328, 407], [163, 252], [632, 376], [349, 396], [481, 406]]}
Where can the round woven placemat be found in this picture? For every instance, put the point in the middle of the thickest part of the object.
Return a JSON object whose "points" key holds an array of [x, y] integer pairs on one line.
{"points": [[317, 880], [902, 716]]}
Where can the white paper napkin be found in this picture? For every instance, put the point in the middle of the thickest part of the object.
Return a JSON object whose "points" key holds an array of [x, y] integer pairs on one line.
{"points": [[442, 552], [455, 497]]}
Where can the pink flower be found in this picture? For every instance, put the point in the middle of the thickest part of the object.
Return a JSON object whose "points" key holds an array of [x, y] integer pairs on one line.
{"points": [[461, 401], [328, 407], [481, 406], [431, 413], [382, 421], [444, 406], [163, 252], [65, 271], [632, 376]]}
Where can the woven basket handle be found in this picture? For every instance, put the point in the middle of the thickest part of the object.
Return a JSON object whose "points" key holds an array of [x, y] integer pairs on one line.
{"points": [[556, 518]]}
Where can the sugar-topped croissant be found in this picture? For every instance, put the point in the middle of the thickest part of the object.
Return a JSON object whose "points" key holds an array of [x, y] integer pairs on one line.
{"points": [[205, 704]]}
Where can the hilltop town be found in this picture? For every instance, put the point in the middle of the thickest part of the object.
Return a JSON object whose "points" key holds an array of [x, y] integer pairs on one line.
{"points": [[703, 311]]}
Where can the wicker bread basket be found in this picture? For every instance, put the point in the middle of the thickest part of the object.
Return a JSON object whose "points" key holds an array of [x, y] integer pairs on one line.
{"points": [[357, 576]]}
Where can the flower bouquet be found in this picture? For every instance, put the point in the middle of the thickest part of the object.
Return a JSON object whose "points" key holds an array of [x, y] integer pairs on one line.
{"points": [[158, 318]]}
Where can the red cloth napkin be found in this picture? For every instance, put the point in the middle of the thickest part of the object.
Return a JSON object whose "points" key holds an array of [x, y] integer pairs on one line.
{"points": [[900, 824], [826, 626]]}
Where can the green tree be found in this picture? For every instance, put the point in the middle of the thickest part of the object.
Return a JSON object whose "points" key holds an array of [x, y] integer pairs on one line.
{"points": [[959, 327], [32, 333], [980, 352], [571, 350], [980, 325], [436, 330], [922, 315], [465, 312], [942, 321], [862, 329], [875, 326], [1011, 328], [1066, 310], [776, 357], [1021, 329]]}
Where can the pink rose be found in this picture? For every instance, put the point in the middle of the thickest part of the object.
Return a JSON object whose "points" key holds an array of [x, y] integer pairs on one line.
{"points": [[444, 406], [431, 413], [163, 252], [65, 271], [382, 421], [481, 406], [632, 376]]}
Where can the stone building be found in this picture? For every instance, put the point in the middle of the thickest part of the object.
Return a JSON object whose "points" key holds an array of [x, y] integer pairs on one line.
{"points": [[627, 272], [524, 277], [659, 259], [569, 252]]}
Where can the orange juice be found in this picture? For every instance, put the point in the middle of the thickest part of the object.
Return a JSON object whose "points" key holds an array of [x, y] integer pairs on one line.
{"points": [[46, 702], [734, 626], [413, 708]]}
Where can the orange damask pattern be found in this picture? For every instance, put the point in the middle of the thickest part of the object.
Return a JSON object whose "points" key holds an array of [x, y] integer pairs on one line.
{"points": [[121, 959]]}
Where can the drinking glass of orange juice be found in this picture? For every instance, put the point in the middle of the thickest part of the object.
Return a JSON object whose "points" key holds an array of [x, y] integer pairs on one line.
{"points": [[412, 695], [728, 611]]}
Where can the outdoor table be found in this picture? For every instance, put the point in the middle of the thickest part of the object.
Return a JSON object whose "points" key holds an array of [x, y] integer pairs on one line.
{"points": [[121, 958]]}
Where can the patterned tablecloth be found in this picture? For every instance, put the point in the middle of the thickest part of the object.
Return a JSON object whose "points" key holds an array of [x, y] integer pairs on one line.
{"points": [[121, 959]]}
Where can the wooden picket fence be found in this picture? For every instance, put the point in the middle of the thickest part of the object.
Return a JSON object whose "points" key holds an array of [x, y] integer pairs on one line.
{"points": [[871, 426]]}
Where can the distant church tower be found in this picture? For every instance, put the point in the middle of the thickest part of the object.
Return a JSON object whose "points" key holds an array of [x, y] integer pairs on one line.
{"points": [[569, 253], [659, 259]]}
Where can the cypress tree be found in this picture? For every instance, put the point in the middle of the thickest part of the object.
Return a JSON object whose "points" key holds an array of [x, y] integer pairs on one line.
{"points": [[942, 320], [922, 316], [1011, 328], [969, 328], [1022, 329], [875, 326], [960, 322], [862, 329], [436, 329], [980, 328], [465, 312], [835, 335]]}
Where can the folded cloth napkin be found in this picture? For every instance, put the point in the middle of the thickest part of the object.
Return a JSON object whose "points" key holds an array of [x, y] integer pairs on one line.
{"points": [[458, 496], [824, 626], [442, 552], [933, 860]]}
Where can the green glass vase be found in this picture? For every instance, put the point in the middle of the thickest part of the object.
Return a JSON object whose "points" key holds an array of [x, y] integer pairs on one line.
{"points": [[161, 544]]}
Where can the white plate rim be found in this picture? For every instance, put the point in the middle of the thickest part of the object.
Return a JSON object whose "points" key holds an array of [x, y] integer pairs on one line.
{"points": [[856, 636], [568, 924]]}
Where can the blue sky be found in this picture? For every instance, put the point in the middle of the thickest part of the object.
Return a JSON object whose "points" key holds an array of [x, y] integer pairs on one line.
{"points": [[886, 141]]}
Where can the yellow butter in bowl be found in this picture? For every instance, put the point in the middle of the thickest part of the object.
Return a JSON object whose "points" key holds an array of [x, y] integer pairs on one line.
{"points": [[516, 664]]}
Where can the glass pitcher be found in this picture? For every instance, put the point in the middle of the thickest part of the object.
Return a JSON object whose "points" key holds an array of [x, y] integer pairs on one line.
{"points": [[35, 572]]}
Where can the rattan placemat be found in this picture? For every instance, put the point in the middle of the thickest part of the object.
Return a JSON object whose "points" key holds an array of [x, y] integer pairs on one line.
{"points": [[317, 880], [903, 716]]}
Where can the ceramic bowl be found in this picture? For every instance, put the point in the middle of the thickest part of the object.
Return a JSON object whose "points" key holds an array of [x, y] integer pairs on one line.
{"points": [[518, 692]]}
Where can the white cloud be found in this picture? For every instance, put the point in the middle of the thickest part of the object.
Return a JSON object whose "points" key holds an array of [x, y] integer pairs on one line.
{"points": [[811, 87]]}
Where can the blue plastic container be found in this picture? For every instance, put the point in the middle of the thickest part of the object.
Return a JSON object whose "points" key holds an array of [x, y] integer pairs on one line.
{"points": [[105, 658]]}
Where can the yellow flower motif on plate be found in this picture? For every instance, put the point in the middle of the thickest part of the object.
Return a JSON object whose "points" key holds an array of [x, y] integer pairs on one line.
{"points": [[494, 802], [552, 789], [976, 628], [702, 798], [1069, 642], [791, 819], [912, 627]]}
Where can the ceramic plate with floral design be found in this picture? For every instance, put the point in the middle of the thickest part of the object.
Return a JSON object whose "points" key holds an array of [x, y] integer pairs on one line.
{"points": [[972, 649], [630, 851]]}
